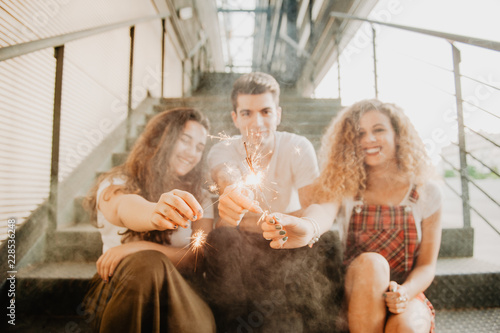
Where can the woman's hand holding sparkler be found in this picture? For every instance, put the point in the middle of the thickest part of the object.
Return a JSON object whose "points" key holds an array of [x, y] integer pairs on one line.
{"points": [[235, 202], [286, 231], [175, 208]]}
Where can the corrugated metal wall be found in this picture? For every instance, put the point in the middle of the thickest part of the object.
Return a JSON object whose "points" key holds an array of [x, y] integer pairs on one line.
{"points": [[95, 89], [26, 105]]}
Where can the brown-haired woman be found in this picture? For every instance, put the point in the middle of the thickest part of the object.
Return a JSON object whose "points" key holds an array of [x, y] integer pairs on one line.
{"points": [[146, 210]]}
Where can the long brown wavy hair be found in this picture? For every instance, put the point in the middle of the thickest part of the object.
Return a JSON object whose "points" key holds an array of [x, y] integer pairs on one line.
{"points": [[343, 172], [147, 171]]}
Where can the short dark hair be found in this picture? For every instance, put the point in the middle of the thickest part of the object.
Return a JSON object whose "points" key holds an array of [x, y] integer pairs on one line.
{"points": [[255, 83]]}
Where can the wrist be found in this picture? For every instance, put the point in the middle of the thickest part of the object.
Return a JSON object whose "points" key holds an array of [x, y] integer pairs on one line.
{"points": [[315, 231], [151, 212]]}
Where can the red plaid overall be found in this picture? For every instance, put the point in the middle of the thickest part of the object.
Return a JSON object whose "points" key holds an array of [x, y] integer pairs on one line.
{"points": [[390, 231]]}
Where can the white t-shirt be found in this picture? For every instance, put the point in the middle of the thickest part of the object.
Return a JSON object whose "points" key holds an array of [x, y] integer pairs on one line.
{"points": [[111, 234], [429, 201], [293, 165]]}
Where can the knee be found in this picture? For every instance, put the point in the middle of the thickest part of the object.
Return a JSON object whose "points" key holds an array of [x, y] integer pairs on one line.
{"points": [[396, 325], [145, 266], [416, 319], [370, 264]]}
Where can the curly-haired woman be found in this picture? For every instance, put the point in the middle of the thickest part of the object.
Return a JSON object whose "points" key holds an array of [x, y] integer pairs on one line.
{"points": [[146, 211], [389, 217], [376, 178]]}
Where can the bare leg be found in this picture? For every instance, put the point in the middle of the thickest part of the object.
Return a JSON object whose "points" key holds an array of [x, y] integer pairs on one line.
{"points": [[367, 279], [416, 319]]}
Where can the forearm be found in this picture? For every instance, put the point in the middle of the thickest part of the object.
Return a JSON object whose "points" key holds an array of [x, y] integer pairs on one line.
{"points": [[323, 214], [419, 279], [422, 275], [135, 212]]}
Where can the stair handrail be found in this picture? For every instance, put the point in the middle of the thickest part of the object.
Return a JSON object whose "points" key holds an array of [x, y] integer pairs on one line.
{"points": [[484, 43], [20, 49]]}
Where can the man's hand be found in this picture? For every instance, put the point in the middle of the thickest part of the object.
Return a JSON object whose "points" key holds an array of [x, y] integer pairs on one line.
{"points": [[235, 201]]}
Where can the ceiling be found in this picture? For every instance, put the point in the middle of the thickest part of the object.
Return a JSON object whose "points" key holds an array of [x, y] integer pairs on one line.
{"points": [[295, 40]]}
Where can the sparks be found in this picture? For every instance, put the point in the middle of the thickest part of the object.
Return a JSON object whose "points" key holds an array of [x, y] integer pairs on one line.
{"points": [[262, 218], [213, 188], [253, 179], [230, 169], [198, 239], [222, 137]]}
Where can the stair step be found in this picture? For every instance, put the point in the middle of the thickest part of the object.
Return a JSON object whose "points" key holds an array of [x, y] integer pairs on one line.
{"points": [[131, 141], [81, 215], [120, 158], [465, 283], [39, 323], [54, 288], [468, 320], [217, 106], [447, 321], [57, 288], [79, 242], [226, 99]]}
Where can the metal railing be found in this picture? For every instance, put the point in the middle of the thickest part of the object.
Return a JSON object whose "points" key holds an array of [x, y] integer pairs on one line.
{"points": [[58, 43], [463, 152]]}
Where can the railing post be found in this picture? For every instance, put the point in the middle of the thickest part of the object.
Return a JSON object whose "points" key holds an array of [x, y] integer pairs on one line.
{"points": [[130, 78], [56, 134], [461, 137], [337, 39], [164, 30], [183, 74], [374, 36]]}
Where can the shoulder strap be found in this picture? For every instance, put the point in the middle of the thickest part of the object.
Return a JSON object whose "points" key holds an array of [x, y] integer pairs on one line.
{"points": [[413, 197]]}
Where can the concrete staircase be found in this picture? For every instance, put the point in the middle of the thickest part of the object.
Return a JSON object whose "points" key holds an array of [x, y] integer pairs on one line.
{"points": [[49, 293]]}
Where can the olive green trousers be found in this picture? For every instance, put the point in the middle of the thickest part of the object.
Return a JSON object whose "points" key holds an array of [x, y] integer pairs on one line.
{"points": [[146, 294]]}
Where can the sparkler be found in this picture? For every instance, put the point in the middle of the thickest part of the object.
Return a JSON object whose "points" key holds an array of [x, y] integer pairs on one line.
{"points": [[197, 241], [213, 188], [255, 177], [221, 136]]}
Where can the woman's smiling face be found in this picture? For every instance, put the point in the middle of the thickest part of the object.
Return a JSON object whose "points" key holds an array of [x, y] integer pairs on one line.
{"points": [[189, 148], [377, 138]]}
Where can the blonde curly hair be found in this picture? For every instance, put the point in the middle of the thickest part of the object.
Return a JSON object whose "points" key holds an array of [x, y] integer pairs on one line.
{"points": [[343, 172]]}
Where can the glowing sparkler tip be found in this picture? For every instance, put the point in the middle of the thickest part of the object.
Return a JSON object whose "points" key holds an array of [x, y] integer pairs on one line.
{"points": [[198, 240], [253, 179], [213, 188]]}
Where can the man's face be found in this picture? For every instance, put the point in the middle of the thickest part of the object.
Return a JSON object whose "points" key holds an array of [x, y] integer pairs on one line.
{"points": [[257, 117]]}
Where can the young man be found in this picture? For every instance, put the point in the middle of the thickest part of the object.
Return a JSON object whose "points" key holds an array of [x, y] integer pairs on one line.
{"points": [[249, 284], [286, 162]]}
